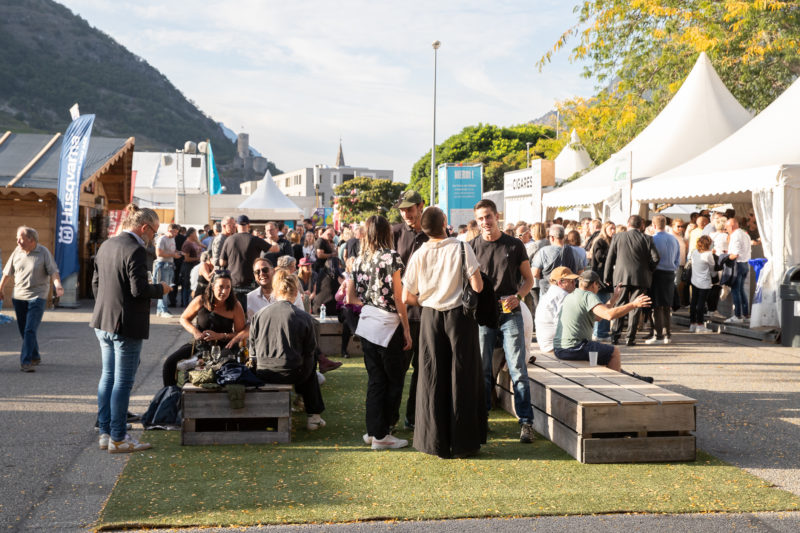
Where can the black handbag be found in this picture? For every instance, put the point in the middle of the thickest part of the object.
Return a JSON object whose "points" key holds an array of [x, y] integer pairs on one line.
{"points": [[469, 298], [686, 275]]}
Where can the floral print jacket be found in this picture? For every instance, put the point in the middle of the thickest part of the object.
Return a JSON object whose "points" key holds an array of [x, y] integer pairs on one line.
{"points": [[373, 278]]}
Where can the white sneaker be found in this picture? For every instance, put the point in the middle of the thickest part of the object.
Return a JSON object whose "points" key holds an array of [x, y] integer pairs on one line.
{"points": [[734, 320], [315, 422], [127, 446], [692, 328], [367, 438], [702, 329], [104, 438], [667, 340], [389, 442], [651, 340], [164, 314]]}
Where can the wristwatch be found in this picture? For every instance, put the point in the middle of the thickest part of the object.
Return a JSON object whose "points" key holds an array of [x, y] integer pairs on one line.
{"points": [[518, 297]]}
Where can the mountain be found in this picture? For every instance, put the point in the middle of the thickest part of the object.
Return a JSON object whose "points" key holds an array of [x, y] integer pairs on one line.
{"points": [[51, 58]]}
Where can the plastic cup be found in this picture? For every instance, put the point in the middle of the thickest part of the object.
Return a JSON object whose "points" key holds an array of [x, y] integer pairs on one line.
{"points": [[592, 358]]}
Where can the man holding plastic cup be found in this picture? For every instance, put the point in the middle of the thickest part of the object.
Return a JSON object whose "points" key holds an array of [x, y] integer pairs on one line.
{"points": [[579, 311]]}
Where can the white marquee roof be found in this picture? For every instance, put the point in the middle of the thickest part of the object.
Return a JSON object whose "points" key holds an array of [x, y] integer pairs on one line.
{"points": [[268, 196], [572, 158], [702, 113]]}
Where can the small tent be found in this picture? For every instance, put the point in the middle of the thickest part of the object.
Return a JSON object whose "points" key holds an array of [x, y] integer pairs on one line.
{"points": [[702, 113], [572, 158], [266, 203]]}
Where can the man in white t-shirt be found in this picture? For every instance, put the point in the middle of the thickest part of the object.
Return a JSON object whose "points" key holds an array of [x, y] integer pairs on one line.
{"points": [[562, 282], [738, 251]]}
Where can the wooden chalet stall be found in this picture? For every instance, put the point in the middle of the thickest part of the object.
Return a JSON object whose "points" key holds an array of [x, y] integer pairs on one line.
{"points": [[29, 188]]}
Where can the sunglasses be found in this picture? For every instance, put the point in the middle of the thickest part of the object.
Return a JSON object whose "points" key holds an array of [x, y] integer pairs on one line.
{"points": [[222, 271], [264, 270]]}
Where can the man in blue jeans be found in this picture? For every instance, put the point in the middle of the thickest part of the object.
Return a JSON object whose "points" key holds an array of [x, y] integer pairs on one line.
{"points": [[121, 319], [32, 267], [739, 250], [504, 260], [164, 266]]}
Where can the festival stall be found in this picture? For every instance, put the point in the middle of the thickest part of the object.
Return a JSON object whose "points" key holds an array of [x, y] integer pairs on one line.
{"points": [[702, 113], [760, 163]]}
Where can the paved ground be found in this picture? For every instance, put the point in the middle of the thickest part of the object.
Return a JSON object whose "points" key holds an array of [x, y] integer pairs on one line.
{"points": [[54, 478]]}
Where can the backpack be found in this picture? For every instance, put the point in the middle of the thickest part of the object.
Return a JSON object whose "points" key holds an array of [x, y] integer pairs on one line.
{"points": [[165, 410], [565, 258]]}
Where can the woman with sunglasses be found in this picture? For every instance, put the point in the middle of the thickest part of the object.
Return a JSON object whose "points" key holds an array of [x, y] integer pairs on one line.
{"points": [[218, 317]]}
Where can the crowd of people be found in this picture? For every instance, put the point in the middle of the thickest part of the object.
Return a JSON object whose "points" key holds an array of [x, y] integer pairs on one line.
{"points": [[579, 288]]}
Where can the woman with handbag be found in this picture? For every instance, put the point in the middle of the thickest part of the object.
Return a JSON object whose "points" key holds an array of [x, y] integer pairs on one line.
{"points": [[451, 417]]}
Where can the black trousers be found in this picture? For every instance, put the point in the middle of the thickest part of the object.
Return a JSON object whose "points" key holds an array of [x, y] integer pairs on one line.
{"points": [[304, 380], [168, 369], [629, 294], [698, 305], [413, 360], [386, 373]]}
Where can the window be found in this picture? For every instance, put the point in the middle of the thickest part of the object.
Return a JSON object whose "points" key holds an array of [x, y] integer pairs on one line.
{"points": [[286, 183], [322, 198], [347, 177], [298, 180], [195, 162]]}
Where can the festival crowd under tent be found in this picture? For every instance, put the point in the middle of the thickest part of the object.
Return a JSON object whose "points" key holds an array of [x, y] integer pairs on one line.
{"points": [[266, 203], [702, 113], [572, 159], [758, 164]]}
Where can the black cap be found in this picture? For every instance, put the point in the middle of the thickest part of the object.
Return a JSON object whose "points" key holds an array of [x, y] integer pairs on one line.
{"points": [[590, 276], [243, 220], [409, 198]]}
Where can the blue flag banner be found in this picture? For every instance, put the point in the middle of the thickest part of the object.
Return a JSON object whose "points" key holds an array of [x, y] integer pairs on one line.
{"points": [[70, 169], [214, 185]]}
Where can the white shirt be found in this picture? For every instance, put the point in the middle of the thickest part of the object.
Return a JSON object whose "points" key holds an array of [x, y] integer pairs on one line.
{"points": [[547, 316], [739, 244], [434, 273], [720, 241], [702, 267], [257, 301]]}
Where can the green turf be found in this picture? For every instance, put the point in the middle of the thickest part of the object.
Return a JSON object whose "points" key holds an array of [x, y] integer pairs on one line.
{"points": [[331, 476]]}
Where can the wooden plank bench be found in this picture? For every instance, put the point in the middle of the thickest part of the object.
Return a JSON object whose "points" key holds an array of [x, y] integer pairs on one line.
{"points": [[598, 415], [330, 338], [209, 419]]}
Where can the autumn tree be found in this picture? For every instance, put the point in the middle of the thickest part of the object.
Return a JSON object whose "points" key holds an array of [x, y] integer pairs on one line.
{"points": [[640, 51], [362, 197]]}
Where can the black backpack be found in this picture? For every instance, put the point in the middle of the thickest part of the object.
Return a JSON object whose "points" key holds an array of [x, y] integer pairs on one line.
{"points": [[165, 410]]}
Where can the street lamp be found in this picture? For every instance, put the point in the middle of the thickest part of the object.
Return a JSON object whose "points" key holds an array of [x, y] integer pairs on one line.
{"points": [[528, 152], [436, 45]]}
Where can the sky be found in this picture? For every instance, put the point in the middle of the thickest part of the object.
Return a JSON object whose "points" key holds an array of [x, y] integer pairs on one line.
{"points": [[299, 75]]}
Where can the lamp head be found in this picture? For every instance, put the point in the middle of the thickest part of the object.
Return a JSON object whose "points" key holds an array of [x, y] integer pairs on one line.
{"points": [[436, 45]]}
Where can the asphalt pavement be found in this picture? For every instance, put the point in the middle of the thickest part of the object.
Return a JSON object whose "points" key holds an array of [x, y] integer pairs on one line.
{"points": [[55, 479]]}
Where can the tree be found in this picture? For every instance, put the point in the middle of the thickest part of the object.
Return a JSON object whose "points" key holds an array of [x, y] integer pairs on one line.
{"points": [[642, 50], [498, 149], [362, 197]]}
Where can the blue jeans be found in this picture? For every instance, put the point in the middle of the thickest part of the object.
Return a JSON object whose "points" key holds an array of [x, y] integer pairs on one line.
{"points": [[511, 333], [29, 316], [602, 328], [163, 271], [740, 305], [120, 357]]}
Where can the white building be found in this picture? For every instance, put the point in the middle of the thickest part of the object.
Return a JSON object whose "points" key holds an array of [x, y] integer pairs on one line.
{"points": [[300, 184]]}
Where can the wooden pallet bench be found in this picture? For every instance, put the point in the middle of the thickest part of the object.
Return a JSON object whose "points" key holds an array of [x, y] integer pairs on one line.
{"points": [[209, 419], [598, 415], [330, 338]]}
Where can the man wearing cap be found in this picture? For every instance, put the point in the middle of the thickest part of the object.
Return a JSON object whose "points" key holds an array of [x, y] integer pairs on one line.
{"points": [[579, 311], [237, 255], [408, 237], [562, 281]]}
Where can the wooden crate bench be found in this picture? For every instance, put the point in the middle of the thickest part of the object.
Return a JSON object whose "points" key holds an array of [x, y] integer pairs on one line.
{"points": [[330, 338], [209, 419], [598, 415]]}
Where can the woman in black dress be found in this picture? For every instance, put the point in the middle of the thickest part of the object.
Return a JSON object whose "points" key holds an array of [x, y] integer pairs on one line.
{"points": [[451, 418], [218, 317]]}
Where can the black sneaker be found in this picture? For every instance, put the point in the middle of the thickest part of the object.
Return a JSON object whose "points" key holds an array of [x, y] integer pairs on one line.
{"points": [[630, 342], [526, 435], [133, 417], [646, 379]]}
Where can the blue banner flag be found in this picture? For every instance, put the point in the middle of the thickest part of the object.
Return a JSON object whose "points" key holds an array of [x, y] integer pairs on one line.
{"points": [[214, 185], [70, 169]]}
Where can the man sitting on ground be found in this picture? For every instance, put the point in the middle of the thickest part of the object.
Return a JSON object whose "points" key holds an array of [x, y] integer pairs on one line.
{"points": [[578, 314], [562, 283]]}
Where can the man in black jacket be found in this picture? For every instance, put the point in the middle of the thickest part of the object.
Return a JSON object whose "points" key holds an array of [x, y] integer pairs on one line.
{"points": [[121, 321], [632, 258]]}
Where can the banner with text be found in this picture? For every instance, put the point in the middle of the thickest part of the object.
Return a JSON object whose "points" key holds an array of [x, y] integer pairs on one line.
{"points": [[70, 169], [460, 188]]}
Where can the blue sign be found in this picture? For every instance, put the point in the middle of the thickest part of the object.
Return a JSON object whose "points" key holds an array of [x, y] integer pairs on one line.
{"points": [[70, 169], [460, 188]]}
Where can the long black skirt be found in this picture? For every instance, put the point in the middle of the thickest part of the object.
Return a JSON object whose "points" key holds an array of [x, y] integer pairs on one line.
{"points": [[451, 418]]}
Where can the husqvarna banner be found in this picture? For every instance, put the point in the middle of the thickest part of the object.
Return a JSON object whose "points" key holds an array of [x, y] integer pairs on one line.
{"points": [[70, 169]]}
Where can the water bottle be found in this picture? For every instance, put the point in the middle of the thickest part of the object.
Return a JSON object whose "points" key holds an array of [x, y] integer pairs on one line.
{"points": [[323, 313]]}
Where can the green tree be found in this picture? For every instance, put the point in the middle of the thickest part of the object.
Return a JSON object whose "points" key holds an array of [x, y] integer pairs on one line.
{"points": [[498, 149], [640, 51], [362, 197]]}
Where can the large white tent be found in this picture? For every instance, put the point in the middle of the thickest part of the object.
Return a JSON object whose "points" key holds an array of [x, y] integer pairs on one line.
{"points": [[758, 163], [702, 113], [572, 158]]}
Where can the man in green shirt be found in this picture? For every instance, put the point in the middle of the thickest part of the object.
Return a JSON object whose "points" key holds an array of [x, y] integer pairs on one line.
{"points": [[581, 308]]}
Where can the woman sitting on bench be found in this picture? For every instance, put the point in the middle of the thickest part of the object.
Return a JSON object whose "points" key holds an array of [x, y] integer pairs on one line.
{"points": [[219, 317]]}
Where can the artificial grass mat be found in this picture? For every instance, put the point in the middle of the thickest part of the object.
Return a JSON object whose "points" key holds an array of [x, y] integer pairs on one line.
{"points": [[330, 475]]}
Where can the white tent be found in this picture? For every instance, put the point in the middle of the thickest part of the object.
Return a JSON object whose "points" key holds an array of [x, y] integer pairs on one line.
{"points": [[702, 113], [758, 163], [572, 158], [157, 180], [266, 203]]}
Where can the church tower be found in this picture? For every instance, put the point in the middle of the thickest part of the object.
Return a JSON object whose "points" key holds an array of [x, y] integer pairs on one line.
{"points": [[340, 156]]}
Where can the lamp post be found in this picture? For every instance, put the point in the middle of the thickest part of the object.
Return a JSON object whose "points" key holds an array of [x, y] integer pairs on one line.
{"points": [[528, 152], [436, 45]]}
